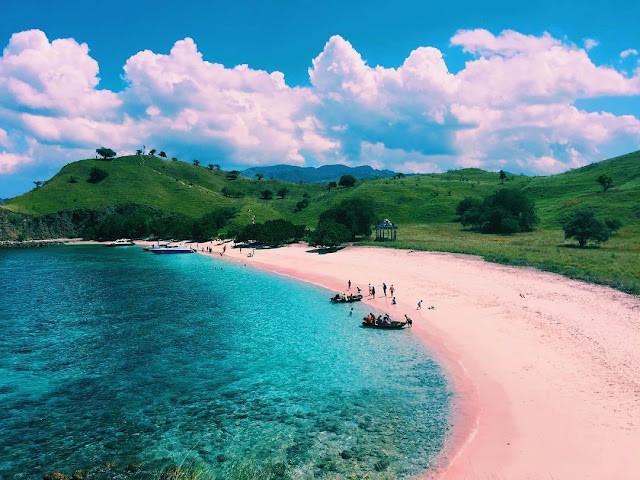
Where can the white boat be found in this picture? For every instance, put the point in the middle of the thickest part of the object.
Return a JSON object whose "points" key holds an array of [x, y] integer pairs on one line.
{"points": [[170, 249], [121, 242], [156, 245]]}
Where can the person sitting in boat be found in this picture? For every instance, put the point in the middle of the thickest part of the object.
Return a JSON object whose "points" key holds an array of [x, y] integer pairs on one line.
{"points": [[337, 297]]}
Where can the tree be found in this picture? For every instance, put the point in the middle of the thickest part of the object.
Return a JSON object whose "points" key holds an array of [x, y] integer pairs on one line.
{"points": [[233, 175], [216, 166], [38, 184], [301, 205], [583, 225], [331, 185], [355, 214], [105, 153], [230, 193], [260, 176], [605, 181], [139, 152], [399, 175], [329, 234], [506, 211], [210, 166], [347, 181], [283, 192], [465, 205], [272, 233], [152, 152], [96, 175], [266, 194], [162, 154], [196, 162], [174, 159], [503, 175]]}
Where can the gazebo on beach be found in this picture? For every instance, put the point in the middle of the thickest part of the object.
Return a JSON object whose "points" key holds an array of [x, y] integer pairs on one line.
{"points": [[385, 230]]}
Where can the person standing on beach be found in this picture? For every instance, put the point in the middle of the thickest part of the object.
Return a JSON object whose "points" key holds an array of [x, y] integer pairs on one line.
{"points": [[384, 288], [419, 305], [392, 290], [369, 289], [373, 292], [349, 284]]}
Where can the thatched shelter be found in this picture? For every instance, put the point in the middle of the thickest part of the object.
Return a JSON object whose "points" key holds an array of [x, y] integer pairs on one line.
{"points": [[386, 230]]}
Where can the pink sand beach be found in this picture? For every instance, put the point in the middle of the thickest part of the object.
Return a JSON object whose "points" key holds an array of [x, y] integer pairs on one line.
{"points": [[545, 370]]}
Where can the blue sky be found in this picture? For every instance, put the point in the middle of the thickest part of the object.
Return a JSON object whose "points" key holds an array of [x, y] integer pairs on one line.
{"points": [[310, 126]]}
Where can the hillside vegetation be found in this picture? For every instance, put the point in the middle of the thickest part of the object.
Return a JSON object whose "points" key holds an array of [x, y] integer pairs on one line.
{"points": [[422, 206]]}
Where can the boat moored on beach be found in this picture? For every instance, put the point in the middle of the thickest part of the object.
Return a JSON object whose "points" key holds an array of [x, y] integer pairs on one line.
{"points": [[384, 323], [171, 249], [121, 242], [337, 298]]}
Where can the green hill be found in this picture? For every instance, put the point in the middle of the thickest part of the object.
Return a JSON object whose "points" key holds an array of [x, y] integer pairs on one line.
{"points": [[422, 206]]}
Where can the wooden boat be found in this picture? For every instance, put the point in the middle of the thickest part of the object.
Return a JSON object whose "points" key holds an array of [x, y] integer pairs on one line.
{"points": [[393, 325], [340, 299]]}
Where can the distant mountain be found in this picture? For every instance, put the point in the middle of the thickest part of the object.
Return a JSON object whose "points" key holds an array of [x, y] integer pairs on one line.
{"points": [[325, 173]]}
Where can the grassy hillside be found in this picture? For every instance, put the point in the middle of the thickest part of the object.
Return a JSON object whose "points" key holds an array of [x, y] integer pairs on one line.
{"points": [[422, 206]]}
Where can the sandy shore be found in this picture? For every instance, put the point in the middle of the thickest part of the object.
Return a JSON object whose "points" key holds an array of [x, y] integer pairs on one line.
{"points": [[546, 370]]}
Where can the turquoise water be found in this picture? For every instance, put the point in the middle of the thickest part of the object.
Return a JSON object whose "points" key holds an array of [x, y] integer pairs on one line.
{"points": [[119, 355]]}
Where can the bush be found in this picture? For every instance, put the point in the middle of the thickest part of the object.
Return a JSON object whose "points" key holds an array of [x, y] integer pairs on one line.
{"points": [[301, 205], [347, 181], [506, 211], [583, 225], [266, 195], [96, 175], [613, 225], [465, 205], [329, 234], [283, 192], [355, 214]]}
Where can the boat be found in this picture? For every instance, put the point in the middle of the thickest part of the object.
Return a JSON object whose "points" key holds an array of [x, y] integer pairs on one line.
{"points": [[171, 249], [156, 245], [386, 324], [121, 242], [348, 299], [393, 325]]}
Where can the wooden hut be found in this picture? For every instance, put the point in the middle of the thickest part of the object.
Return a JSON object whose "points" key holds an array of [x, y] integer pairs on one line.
{"points": [[385, 230]]}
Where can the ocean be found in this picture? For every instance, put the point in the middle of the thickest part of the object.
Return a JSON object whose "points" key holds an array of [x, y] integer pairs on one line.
{"points": [[113, 358]]}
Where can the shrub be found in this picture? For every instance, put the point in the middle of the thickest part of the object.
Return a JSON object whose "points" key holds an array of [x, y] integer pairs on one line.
{"points": [[231, 193], [96, 175], [613, 225], [347, 181], [465, 205], [266, 195], [283, 192], [506, 211], [583, 225], [301, 205]]}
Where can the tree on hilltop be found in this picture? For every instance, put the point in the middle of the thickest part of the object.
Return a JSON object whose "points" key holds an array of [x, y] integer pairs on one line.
{"points": [[105, 153], [216, 166], [162, 154], [152, 152], [196, 162], [605, 181], [174, 159], [503, 175], [347, 181], [210, 166]]}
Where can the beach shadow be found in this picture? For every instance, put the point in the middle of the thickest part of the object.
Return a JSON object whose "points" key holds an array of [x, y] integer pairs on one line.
{"points": [[324, 251]]}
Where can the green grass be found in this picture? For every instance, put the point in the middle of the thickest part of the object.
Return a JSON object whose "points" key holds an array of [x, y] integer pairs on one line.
{"points": [[422, 206]]}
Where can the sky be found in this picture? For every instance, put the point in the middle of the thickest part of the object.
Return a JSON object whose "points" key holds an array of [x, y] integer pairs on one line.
{"points": [[407, 85]]}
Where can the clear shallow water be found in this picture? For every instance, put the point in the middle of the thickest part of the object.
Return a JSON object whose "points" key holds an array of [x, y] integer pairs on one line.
{"points": [[119, 355]]}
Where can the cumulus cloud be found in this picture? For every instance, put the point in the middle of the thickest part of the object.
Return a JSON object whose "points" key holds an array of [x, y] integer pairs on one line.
{"points": [[512, 106], [590, 43]]}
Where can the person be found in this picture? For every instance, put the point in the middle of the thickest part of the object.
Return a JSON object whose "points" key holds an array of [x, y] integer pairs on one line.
{"points": [[351, 312], [419, 305], [392, 290], [359, 290], [349, 284], [369, 289], [373, 292], [408, 320], [224, 249], [393, 301], [384, 288]]}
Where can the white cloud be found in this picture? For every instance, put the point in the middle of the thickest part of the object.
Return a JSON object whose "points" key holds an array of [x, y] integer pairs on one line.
{"points": [[511, 106], [590, 43], [628, 52]]}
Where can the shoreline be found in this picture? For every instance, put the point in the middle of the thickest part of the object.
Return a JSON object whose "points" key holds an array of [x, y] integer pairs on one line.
{"points": [[533, 419]]}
